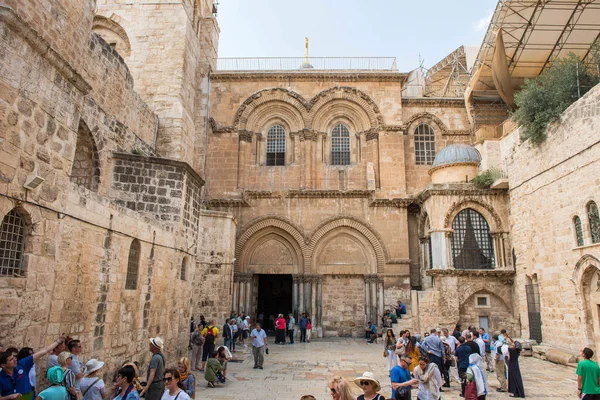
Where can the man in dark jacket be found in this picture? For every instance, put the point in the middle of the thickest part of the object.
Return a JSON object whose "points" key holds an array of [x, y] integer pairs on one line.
{"points": [[228, 335], [303, 323]]}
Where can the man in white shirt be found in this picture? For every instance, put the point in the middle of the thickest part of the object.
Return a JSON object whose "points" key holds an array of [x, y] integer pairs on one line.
{"points": [[477, 339], [259, 343]]}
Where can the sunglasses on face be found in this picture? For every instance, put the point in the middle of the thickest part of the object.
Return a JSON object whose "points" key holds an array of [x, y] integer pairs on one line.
{"points": [[364, 383], [169, 379]]}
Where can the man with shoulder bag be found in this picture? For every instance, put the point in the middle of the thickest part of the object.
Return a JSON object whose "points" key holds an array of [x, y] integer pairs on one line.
{"points": [[401, 379], [155, 386]]}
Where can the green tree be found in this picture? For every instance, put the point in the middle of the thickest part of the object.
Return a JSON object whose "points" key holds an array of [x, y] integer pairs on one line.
{"points": [[541, 100]]}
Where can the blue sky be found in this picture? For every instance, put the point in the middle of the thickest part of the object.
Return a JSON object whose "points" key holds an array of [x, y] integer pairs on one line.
{"points": [[394, 28]]}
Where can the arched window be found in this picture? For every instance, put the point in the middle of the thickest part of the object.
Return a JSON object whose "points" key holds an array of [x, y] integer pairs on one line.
{"points": [[276, 145], [133, 265], [594, 221], [183, 271], [12, 242], [424, 144], [472, 245], [578, 230], [85, 171], [340, 145]]}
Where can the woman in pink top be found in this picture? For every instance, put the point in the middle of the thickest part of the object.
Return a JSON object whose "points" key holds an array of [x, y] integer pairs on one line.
{"points": [[280, 329], [308, 330]]}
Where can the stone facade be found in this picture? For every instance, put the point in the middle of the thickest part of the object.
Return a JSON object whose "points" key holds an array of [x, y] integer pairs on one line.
{"points": [[117, 243], [551, 185]]}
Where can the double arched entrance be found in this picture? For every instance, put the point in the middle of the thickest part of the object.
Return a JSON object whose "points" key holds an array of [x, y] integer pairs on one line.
{"points": [[332, 275]]}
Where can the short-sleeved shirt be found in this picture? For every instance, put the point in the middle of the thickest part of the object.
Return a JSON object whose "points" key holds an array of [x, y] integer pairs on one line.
{"points": [[259, 338], [182, 395], [462, 353], [215, 333], [54, 392], [452, 343], [76, 368], [398, 375], [488, 344], [133, 395], [589, 372], [95, 392], [20, 377], [157, 362]]}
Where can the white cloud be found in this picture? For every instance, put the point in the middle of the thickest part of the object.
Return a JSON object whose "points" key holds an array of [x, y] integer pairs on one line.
{"points": [[482, 23]]}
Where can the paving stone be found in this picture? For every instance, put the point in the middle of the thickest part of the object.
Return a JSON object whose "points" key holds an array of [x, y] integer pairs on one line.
{"points": [[305, 368]]}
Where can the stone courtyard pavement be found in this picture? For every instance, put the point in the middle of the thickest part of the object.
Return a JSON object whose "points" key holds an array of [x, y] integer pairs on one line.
{"points": [[291, 371]]}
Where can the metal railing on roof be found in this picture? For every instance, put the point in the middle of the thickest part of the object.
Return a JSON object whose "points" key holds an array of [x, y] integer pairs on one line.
{"points": [[299, 64]]}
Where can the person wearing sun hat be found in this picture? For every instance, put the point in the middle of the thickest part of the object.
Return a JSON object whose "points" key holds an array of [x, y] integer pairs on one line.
{"points": [[55, 391], [92, 385], [370, 386], [155, 386]]}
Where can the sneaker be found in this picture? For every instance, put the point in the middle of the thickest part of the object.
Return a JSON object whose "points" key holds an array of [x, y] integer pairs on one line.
{"points": [[500, 390]]}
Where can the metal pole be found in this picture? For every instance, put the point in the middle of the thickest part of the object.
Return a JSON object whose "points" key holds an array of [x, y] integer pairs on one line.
{"points": [[578, 89]]}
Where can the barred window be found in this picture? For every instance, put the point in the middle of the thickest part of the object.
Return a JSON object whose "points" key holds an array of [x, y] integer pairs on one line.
{"points": [[12, 243], [86, 170], [594, 221], [276, 146], [133, 265], [424, 144], [472, 245], [183, 271], [340, 145], [578, 230]]}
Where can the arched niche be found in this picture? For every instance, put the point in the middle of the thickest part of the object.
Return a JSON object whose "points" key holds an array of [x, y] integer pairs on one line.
{"points": [[344, 251], [113, 33], [271, 251]]}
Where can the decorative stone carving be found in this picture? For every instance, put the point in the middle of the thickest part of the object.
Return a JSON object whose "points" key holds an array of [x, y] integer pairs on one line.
{"points": [[245, 136]]}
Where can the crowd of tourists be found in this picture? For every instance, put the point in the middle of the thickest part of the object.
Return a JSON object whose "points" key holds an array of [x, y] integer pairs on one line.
{"points": [[427, 364]]}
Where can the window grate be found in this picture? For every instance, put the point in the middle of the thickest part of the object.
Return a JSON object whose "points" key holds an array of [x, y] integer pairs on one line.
{"points": [[133, 265], [340, 145], [276, 146], [594, 220], [424, 144], [578, 230], [12, 243], [472, 245]]}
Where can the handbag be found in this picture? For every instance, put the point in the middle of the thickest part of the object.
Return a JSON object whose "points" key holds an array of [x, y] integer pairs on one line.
{"points": [[401, 351], [402, 393], [471, 391], [385, 354]]}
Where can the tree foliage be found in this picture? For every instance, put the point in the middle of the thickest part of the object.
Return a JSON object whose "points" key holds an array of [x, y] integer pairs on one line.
{"points": [[542, 100]]}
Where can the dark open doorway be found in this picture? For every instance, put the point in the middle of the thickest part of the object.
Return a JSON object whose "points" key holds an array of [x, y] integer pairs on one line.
{"points": [[274, 297]]}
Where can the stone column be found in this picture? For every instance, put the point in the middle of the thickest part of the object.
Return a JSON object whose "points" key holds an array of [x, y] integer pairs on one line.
{"points": [[242, 294], [308, 296], [248, 294], [367, 299], [319, 301], [301, 308], [380, 296], [296, 280], [236, 288], [313, 301], [439, 253], [374, 316]]}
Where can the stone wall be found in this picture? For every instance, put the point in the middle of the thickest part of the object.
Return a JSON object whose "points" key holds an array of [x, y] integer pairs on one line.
{"points": [[550, 185], [343, 306]]}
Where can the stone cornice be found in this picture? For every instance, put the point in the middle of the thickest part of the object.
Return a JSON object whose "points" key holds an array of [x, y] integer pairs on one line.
{"points": [[311, 76], [227, 203], [456, 164], [505, 276], [39, 44], [159, 160], [313, 193], [397, 261], [433, 102], [397, 202], [458, 189]]}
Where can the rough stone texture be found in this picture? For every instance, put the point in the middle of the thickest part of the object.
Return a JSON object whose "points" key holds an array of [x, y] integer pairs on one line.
{"points": [[57, 77], [343, 305], [550, 185]]}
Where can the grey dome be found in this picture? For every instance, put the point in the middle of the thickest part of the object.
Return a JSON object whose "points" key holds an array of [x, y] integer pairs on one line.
{"points": [[457, 154]]}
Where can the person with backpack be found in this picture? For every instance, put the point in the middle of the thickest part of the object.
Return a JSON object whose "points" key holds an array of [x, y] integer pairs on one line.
{"points": [[210, 333], [155, 385], [197, 343]]}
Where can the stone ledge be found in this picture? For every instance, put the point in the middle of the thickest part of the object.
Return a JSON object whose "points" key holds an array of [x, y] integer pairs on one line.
{"points": [[162, 161], [552, 354], [500, 273]]}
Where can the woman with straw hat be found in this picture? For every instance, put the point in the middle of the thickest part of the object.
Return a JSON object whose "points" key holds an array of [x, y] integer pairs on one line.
{"points": [[370, 386], [92, 385]]}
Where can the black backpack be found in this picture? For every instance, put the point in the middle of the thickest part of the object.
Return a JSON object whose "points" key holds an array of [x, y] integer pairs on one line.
{"points": [[210, 335]]}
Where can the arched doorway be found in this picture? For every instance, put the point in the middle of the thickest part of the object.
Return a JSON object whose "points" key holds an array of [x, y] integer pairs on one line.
{"points": [[590, 290]]}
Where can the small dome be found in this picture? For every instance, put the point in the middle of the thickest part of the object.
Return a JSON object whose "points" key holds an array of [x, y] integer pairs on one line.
{"points": [[457, 154]]}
